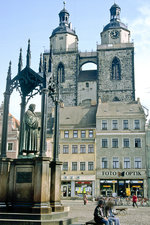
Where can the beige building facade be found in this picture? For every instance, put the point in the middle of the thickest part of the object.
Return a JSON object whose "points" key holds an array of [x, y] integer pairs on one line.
{"points": [[13, 134]]}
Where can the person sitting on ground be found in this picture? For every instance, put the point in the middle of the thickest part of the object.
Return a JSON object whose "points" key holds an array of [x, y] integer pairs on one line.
{"points": [[99, 214], [110, 214]]}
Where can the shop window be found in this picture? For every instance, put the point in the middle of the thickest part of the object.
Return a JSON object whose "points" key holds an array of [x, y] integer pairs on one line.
{"points": [[90, 133], [10, 146], [74, 166], [104, 143], [65, 166], [90, 166], [126, 163], [65, 149], [82, 166], [138, 163], [82, 149], [90, 148], [61, 73], [125, 124], [75, 133], [74, 149], [136, 124], [66, 134], [104, 124], [115, 125], [137, 143], [104, 163], [126, 142], [82, 133], [115, 163], [115, 143]]}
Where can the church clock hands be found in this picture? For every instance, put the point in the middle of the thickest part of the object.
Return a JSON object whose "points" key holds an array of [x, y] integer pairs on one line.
{"points": [[114, 34]]}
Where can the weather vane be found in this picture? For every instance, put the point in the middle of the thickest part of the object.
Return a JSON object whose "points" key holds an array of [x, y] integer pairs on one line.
{"points": [[64, 4]]}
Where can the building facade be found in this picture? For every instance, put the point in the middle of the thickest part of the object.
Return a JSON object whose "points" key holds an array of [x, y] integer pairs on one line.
{"points": [[121, 149], [13, 134]]}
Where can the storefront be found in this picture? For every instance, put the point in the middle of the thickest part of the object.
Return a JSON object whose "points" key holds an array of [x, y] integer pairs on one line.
{"points": [[121, 183], [77, 186], [122, 188]]}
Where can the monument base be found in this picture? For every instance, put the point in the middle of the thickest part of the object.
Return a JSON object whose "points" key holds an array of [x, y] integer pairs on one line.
{"points": [[59, 218]]}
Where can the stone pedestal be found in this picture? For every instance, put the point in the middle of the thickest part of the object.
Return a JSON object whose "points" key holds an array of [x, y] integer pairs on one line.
{"points": [[4, 177], [55, 198]]}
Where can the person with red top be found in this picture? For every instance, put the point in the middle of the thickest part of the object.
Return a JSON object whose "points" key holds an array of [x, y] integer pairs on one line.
{"points": [[134, 199]]}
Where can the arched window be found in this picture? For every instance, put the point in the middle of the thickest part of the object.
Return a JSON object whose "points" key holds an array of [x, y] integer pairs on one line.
{"points": [[116, 69], [61, 73]]}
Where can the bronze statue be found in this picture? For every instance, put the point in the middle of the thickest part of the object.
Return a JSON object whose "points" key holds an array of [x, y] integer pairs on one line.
{"points": [[31, 130]]}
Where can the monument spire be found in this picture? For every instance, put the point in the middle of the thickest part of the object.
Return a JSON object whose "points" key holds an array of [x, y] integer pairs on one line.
{"points": [[20, 61], [41, 64], [28, 54]]}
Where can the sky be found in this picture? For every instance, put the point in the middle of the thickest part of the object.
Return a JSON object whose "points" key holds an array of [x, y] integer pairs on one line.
{"points": [[36, 19]]}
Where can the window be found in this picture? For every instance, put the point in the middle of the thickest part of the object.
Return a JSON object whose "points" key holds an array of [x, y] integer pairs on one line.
{"points": [[82, 165], [104, 124], [90, 133], [104, 163], [116, 69], [138, 163], [10, 146], [114, 124], [126, 142], [74, 166], [74, 149], [104, 143], [115, 143], [125, 124], [136, 124], [66, 134], [126, 163], [65, 166], [137, 143], [90, 148], [65, 149], [61, 73], [87, 84], [75, 133], [82, 133], [90, 166], [115, 163], [82, 149]]}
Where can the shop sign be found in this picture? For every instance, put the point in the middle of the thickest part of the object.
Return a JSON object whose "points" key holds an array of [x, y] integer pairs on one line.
{"points": [[124, 173], [83, 182]]}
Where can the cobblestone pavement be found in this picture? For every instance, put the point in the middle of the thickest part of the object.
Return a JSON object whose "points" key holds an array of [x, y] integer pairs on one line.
{"points": [[134, 216]]}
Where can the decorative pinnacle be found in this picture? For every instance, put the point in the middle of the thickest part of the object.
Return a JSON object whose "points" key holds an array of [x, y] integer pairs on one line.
{"points": [[40, 64], [9, 70], [20, 61], [28, 54]]}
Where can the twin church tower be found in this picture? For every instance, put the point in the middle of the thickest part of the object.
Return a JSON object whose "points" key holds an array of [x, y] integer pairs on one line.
{"points": [[113, 78]]}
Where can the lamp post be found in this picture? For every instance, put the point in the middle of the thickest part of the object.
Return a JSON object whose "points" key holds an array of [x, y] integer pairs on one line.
{"points": [[55, 198]]}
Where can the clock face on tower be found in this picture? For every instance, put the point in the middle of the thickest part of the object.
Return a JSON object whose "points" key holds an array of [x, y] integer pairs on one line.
{"points": [[114, 34]]}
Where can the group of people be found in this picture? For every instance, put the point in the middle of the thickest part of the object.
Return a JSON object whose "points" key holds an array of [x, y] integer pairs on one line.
{"points": [[103, 213]]}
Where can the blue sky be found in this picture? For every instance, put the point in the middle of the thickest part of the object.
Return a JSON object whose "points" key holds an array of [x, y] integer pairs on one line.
{"points": [[36, 19]]}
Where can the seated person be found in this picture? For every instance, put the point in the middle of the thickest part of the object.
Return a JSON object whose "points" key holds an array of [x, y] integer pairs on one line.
{"points": [[110, 214], [99, 214]]}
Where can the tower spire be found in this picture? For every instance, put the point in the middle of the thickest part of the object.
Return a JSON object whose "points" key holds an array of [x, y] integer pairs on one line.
{"points": [[28, 54], [20, 61], [64, 4], [8, 77]]}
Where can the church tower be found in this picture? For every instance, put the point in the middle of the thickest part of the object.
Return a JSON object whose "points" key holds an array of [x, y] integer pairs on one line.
{"points": [[64, 55], [115, 61]]}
